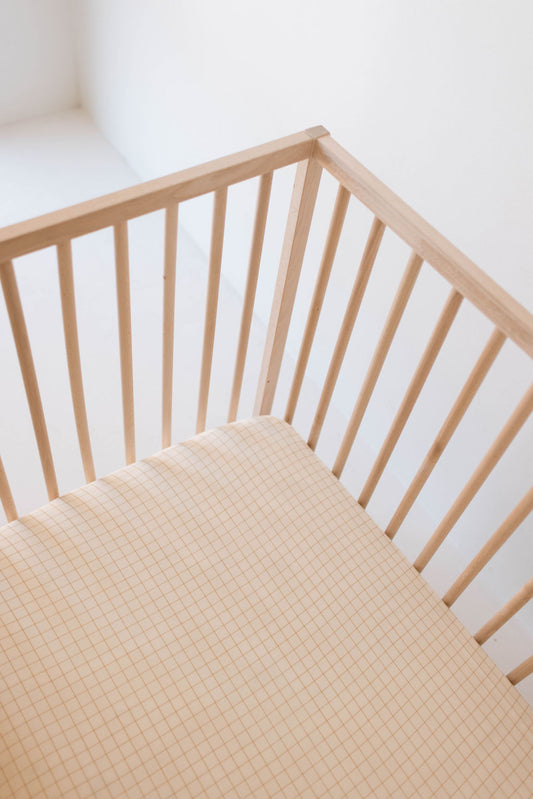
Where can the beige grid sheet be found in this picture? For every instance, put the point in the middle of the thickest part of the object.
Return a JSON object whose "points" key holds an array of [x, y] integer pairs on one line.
{"points": [[223, 620]]}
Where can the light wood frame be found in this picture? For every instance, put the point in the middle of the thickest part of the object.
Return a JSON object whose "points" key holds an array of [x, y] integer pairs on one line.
{"points": [[312, 151]]}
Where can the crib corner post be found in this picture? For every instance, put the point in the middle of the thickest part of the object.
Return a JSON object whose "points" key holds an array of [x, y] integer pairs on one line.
{"points": [[294, 243]]}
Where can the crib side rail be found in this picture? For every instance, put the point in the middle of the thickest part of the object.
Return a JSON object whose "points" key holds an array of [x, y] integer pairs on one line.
{"points": [[117, 207], [115, 210], [313, 151], [511, 321], [471, 282]]}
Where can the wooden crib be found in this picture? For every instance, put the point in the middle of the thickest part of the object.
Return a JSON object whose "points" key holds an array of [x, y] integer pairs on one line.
{"points": [[224, 618]]}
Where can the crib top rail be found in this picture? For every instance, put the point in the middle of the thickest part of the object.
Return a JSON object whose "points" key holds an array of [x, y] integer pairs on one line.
{"points": [[153, 195], [515, 321], [470, 281]]}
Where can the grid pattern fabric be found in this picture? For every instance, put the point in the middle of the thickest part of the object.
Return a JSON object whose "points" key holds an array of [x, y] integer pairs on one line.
{"points": [[224, 620]]}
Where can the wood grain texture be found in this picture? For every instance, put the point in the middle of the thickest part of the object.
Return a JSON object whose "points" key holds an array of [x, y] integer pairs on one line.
{"points": [[350, 316], [493, 455], [521, 672], [215, 261], [6, 497], [461, 405], [169, 295], [496, 304], [324, 272], [317, 132], [153, 195], [70, 330], [495, 542], [29, 376], [122, 271], [294, 243], [261, 213], [500, 618], [445, 321], [378, 359]]}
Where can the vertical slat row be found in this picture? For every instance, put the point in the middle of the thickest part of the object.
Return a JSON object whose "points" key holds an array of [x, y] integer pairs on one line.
{"points": [[294, 243], [399, 304], [215, 261], [495, 542], [324, 272], [493, 455], [350, 315], [122, 270], [6, 497], [500, 618], [70, 329], [263, 200], [27, 367], [418, 380], [461, 405], [169, 294]]}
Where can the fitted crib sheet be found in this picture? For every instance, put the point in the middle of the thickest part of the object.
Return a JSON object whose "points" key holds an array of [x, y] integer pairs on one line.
{"points": [[224, 620]]}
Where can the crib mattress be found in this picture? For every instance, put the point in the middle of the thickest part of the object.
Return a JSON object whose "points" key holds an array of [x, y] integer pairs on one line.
{"points": [[224, 620]]}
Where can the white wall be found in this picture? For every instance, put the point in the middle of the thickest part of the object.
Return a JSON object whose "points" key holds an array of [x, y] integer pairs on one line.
{"points": [[55, 161], [435, 98], [38, 72]]}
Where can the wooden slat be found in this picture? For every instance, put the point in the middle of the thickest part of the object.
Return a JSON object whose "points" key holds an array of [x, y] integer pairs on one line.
{"points": [[27, 367], [122, 269], [521, 672], [418, 380], [495, 542], [215, 261], [70, 329], [324, 272], [154, 195], [477, 287], [263, 200], [391, 325], [493, 455], [294, 243], [500, 618], [350, 315], [169, 294], [461, 405], [6, 497]]}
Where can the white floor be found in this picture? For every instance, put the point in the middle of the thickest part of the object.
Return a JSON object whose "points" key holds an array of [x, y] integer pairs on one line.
{"points": [[55, 161]]}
